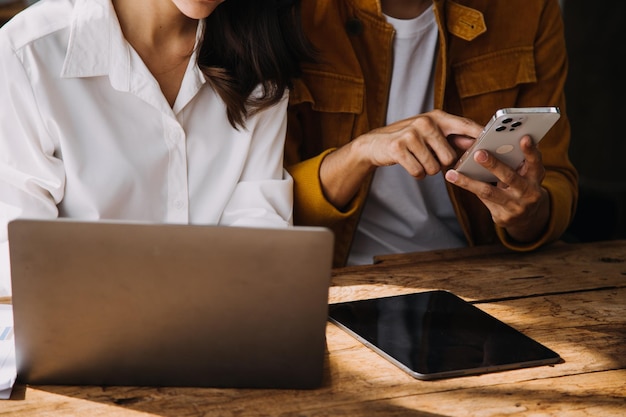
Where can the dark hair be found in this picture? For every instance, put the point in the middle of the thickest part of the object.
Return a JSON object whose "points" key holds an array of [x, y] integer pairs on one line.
{"points": [[252, 42]]}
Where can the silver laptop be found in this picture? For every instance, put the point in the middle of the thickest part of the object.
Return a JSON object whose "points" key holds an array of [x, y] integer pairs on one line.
{"points": [[113, 303]]}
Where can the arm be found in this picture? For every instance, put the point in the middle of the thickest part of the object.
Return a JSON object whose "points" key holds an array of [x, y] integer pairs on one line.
{"points": [[420, 144], [31, 177], [263, 197], [534, 205]]}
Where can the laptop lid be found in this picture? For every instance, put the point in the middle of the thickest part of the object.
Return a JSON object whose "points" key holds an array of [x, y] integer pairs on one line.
{"points": [[112, 303]]}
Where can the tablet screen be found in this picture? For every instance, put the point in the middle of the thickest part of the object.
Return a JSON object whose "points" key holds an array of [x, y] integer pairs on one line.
{"points": [[437, 334]]}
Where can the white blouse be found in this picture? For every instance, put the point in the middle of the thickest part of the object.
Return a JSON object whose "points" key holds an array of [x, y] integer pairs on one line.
{"points": [[85, 132]]}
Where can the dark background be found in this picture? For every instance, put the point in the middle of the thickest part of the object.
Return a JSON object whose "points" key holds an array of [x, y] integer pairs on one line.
{"points": [[596, 106]]}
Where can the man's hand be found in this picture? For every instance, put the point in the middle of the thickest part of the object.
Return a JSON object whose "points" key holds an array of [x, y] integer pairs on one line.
{"points": [[422, 144], [517, 202]]}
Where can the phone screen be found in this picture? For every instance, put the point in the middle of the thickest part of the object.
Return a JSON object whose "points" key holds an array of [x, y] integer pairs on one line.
{"points": [[437, 334]]}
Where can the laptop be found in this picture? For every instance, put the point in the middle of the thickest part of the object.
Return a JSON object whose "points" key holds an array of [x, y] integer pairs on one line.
{"points": [[121, 303]]}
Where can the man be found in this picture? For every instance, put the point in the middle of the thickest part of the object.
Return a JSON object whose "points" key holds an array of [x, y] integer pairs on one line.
{"points": [[398, 89]]}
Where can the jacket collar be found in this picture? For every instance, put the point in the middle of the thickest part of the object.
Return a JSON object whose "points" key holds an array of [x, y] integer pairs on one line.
{"points": [[461, 21], [369, 6]]}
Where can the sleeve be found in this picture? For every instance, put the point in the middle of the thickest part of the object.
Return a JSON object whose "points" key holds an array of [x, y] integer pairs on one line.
{"points": [[31, 177], [263, 197], [311, 208], [561, 180]]}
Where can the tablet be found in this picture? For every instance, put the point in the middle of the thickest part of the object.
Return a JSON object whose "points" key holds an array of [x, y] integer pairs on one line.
{"points": [[436, 334]]}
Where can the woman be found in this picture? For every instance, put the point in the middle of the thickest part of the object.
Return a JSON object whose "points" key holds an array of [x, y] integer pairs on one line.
{"points": [[148, 110]]}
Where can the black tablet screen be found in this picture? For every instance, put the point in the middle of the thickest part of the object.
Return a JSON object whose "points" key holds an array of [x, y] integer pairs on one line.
{"points": [[437, 334]]}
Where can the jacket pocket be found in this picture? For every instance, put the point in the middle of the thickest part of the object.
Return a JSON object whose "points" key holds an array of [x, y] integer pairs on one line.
{"points": [[501, 70], [329, 93]]}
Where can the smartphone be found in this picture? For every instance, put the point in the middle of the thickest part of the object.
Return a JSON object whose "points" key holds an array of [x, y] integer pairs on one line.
{"points": [[501, 137], [436, 334]]}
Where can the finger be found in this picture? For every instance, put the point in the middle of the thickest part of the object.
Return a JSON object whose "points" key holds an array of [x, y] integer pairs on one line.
{"points": [[494, 198], [427, 160], [416, 166], [505, 174], [461, 142], [456, 125], [430, 146], [532, 167], [483, 190]]}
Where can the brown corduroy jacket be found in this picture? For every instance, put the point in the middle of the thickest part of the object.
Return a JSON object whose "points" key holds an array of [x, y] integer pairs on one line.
{"points": [[492, 54]]}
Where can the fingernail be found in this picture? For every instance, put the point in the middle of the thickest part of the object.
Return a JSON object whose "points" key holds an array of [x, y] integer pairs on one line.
{"points": [[480, 156], [452, 176]]}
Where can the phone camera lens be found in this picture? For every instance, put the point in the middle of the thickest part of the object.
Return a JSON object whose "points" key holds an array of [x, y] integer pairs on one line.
{"points": [[507, 120], [516, 124], [500, 128]]}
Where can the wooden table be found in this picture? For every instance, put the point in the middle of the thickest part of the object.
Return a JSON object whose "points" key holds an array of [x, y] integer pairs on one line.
{"points": [[570, 297]]}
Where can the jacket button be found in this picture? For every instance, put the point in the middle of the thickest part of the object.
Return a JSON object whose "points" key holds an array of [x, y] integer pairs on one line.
{"points": [[354, 26]]}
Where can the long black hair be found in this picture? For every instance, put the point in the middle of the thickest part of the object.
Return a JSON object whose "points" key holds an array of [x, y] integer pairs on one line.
{"points": [[247, 43]]}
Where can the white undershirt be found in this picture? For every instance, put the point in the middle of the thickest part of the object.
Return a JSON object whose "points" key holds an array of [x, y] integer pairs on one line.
{"points": [[403, 214]]}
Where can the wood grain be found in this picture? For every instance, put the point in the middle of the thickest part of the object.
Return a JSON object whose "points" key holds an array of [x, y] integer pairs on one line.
{"points": [[572, 298]]}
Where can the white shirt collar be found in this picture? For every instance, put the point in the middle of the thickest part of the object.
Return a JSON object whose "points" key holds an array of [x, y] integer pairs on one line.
{"points": [[96, 44], [97, 47]]}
